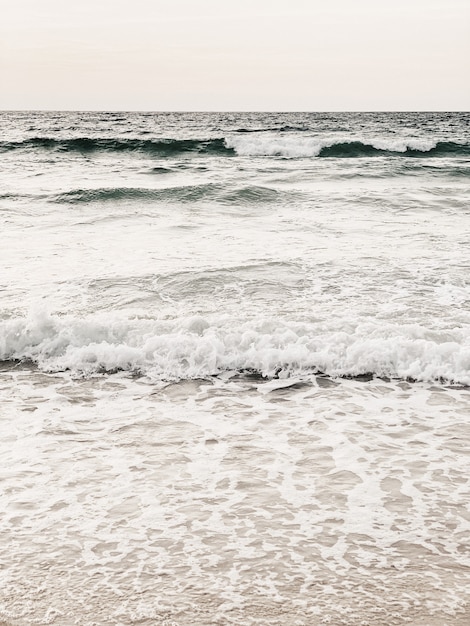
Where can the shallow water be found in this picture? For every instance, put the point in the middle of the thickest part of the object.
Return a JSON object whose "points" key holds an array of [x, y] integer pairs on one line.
{"points": [[244, 502]]}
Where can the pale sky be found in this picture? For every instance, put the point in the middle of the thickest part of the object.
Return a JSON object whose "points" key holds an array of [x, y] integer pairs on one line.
{"points": [[264, 55]]}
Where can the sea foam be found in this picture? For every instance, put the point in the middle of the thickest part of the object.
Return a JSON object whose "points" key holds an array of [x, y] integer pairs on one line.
{"points": [[298, 146], [196, 347]]}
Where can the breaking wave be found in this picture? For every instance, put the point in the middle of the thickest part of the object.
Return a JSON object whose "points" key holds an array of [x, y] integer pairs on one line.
{"points": [[197, 347], [296, 147], [252, 143]]}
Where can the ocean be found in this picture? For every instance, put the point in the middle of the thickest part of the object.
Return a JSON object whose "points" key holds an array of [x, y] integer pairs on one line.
{"points": [[234, 369]]}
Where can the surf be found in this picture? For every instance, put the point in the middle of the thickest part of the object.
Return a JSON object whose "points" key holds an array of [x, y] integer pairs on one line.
{"points": [[290, 145], [194, 347]]}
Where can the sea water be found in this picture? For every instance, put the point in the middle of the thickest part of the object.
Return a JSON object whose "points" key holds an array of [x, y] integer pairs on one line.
{"points": [[234, 369]]}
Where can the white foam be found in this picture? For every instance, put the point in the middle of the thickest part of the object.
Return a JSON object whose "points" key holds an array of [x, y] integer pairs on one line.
{"points": [[299, 146], [276, 146], [195, 347], [403, 144]]}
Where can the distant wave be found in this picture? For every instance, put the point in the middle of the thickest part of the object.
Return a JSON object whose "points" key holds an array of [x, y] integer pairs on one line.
{"points": [[412, 148], [281, 129], [252, 143], [297, 147], [187, 193], [196, 347], [160, 147]]}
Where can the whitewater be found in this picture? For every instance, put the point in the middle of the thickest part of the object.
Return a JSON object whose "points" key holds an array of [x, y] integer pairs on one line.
{"points": [[234, 368]]}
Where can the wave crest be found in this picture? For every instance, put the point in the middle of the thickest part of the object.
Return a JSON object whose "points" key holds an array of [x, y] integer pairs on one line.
{"points": [[197, 347], [254, 194], [252, 144], [186, 193], [298, 147], [157, 147]]}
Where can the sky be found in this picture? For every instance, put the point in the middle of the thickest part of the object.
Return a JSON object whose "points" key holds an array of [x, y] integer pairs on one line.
{"points": [[237, 55]]}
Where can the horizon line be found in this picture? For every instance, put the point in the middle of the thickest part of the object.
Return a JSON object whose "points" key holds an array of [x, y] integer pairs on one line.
{"points": [[98, 110]]}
